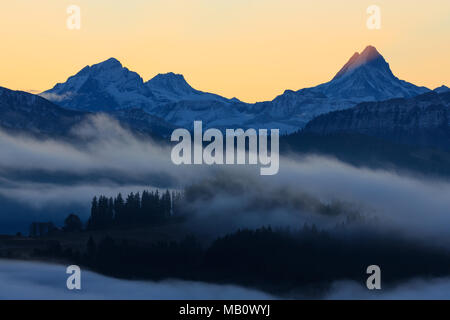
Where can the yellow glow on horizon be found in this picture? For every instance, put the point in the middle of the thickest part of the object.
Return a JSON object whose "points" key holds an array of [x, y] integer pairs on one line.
{"points": [[249, 49]]}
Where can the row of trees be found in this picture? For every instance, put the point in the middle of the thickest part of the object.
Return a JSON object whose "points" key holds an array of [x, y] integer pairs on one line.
{"points": [[150, 207], [279, 261], [40, 229], [72, 223]]}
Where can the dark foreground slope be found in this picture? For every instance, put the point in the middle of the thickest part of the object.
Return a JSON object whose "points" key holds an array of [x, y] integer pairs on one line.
{"points": [[293, 264], [22, 112]]}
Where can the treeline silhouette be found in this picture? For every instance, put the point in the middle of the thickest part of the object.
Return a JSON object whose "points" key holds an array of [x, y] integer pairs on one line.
{"points": [[135, 209], [278, 261], [150, 207]]}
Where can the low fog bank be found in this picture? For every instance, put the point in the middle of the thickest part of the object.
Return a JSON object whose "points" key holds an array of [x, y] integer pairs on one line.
{"points": [[327, 193], [313, 190], [226, 202], [414, 206], [105, 151], [38, 281]]}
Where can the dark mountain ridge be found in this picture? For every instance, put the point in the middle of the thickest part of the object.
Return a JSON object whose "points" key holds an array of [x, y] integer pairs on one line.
{"points": [[31, 114], [423, 120]]}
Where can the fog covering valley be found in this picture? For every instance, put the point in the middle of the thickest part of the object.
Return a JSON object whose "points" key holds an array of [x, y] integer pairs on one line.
{"points": [[46, 179], [40, 174], [31, 280]]}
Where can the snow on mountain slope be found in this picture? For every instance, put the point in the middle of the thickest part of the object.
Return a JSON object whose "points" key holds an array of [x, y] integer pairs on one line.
{"points": [[102, 87], [365, 77], [368, 77], [173, 87], [108, 86]]}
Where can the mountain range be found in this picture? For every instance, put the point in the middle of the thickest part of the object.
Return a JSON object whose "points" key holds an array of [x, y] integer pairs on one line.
{"points": [[109, 87], [363, 97]]}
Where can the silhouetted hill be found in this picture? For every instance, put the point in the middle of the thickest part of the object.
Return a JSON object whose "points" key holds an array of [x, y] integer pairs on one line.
{"points": [[419, 121], [31, 114], [372, 152]]}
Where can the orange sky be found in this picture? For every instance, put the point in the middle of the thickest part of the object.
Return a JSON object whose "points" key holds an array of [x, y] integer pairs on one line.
{"points": [[250, 49]]}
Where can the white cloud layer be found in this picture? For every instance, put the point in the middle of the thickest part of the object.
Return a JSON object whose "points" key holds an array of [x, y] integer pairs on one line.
{"points": [[39, 281], [113, 160]]}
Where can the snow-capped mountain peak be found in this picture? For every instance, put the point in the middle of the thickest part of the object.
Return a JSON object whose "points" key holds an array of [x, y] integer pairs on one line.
{"points": [[111, 71], [109, 86], [369, 56], [348, 66], [171, 83], [110, 63], [368, 77], [369, 53]]}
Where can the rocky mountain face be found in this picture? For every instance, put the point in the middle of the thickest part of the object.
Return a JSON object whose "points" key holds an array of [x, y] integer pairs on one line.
{"points": [[368, 77], [108, 87], [422, 120], [365, 77]]}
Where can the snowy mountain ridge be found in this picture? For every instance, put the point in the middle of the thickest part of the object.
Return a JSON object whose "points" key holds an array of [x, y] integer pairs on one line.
{"points": [[108, 87]]}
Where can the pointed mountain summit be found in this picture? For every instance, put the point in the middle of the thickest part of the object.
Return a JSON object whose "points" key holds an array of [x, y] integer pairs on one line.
{"points": [[365, 77], [106, 73], [169, 80], [370, 56], [170, 83], [103, 86], [110, 63], [368, 77]]}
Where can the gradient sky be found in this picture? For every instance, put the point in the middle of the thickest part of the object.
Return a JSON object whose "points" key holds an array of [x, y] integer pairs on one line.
{"points": [[250, 49]]}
